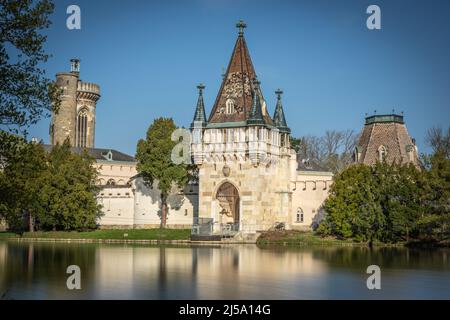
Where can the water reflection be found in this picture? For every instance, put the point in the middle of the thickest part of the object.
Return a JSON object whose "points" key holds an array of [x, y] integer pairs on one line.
{"points": [[38, 271]]}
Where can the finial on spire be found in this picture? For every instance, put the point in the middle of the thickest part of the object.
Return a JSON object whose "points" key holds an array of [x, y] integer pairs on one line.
{"points": [[241, 26], [279, 92], [200, 88]]}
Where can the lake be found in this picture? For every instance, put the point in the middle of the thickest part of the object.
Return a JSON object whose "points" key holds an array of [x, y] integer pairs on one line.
{"points": [[131, 271]]}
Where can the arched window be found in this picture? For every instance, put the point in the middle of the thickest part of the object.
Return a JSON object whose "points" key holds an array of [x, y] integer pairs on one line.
{"points": [[382, 153], [229, 106], [81, 133], [111, 182], [300, 217]]}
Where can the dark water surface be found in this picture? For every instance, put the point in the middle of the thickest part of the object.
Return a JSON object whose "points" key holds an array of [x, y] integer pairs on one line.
{"points": [[38, 271]]}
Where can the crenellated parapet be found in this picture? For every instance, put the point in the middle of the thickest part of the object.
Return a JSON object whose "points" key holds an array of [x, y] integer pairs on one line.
{"points": [[88, 91]]}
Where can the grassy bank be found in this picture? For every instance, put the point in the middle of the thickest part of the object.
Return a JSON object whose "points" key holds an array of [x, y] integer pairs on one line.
{"points": [[302, 238], [132, 234], [6, 235]]}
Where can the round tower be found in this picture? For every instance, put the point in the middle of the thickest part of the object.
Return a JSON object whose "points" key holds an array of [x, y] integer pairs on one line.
{"points": [[87, 97], [63, 122]]}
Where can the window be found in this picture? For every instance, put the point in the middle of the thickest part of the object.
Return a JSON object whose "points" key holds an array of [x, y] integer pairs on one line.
{"points": [[356, 155], [382, 153], [229, 106], [111, 182], [300, 215], [81, 132]]}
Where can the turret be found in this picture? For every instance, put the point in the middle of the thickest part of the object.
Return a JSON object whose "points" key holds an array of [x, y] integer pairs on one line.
{"points": [[280, 120], [63, 124], [198, 125]]}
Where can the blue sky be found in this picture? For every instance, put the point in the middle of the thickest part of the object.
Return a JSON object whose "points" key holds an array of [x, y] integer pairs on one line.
{"points": [[148, 57]]}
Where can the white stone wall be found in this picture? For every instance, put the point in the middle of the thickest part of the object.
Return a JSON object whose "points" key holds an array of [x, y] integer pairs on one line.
{"points": [[117, 207], [137, 206], [119, 172], [310, 192], [182, 206]]}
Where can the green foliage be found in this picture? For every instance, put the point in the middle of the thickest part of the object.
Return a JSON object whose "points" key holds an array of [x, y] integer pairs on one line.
{"points": [[26, 94], [68, 195], [54, 190], [435, 224], [21, 182], [390, 203], [353, 210], [155, 164]]}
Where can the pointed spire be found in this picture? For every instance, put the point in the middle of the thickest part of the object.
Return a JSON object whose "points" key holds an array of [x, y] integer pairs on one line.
{"points": [[256, 114], [278, 116], [200, 115], [235, 96]]}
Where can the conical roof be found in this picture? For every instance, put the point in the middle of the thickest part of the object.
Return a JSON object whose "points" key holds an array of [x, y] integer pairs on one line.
{"points": [[235, 98], [200, 115], [278, 116]]}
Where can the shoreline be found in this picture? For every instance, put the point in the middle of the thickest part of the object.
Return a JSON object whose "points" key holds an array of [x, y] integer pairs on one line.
{"points": [[286, 239]]}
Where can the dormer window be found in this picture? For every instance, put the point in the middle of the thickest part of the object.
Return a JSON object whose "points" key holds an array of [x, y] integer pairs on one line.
{"points": [[229, 106], [410, 152], [382, 153], [357, 154], [108, 155]]}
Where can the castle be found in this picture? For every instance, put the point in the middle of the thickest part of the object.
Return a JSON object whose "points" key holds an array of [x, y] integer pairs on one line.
{"points": [[250, 179]]}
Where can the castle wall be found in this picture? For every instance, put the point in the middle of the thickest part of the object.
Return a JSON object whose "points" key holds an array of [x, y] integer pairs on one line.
{"points": [[117, 207], [119, 172], [311, 190], [137, 206], [182, 206]]}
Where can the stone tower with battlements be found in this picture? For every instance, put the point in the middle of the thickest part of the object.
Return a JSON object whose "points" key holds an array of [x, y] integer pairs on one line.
{"points": [[75, 119]]}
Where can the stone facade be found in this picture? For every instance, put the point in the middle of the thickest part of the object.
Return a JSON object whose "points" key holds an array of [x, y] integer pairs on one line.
{"points": [[385, 138], [138, 207], [75, 119]]}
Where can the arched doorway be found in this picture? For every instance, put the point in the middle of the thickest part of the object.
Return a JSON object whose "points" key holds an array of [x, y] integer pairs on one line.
{"points": [[228, 197]]}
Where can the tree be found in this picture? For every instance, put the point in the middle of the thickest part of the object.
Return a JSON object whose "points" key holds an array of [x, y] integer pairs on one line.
{"points": [[68, 195], [26, 94], [155, 164], [383, 202], [352, 209], [53, 191], [333, 151], [435, 224], [439, 140], [401, 194], [20, 182]]}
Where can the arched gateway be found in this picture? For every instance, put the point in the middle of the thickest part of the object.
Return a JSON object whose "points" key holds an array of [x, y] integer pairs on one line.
{"points": [[228, 198]]}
